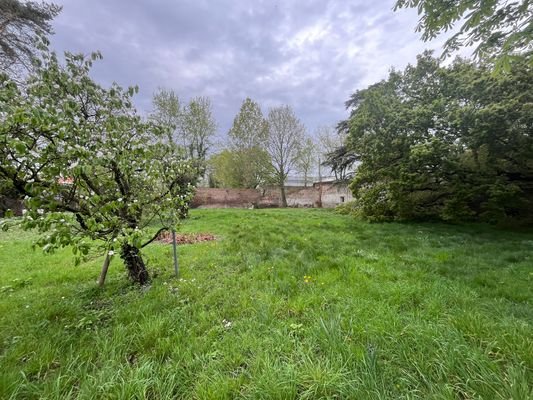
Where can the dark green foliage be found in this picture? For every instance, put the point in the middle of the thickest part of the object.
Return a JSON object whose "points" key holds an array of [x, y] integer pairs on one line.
{"points": [[340, 161], [450, 143]]}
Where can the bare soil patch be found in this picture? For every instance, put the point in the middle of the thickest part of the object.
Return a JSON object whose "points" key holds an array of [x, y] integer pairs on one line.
{"points": [[185, 238]]}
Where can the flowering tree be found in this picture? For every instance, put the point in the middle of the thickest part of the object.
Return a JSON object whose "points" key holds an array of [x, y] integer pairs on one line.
{"points": [[90, 169]]}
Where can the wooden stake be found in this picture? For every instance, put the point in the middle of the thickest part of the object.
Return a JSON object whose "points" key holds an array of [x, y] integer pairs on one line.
{"points": [[175, 249], [105, 267]]}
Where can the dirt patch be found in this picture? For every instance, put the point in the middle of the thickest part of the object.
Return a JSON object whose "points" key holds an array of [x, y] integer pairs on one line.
{"points": [[185, 238]]}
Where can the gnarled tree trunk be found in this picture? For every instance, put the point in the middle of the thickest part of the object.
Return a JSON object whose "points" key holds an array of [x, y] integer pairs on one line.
{"points": [[134, 264]]}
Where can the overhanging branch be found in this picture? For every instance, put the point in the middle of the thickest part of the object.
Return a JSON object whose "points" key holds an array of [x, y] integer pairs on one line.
{"points": [[165, 228]]}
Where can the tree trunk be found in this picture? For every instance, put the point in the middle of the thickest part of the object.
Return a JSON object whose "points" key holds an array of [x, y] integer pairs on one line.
{"points": [[283, 196], [134, 264]]}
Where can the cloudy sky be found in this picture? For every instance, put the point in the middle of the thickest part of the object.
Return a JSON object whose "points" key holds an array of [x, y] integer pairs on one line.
{"points": [[310, 54]]}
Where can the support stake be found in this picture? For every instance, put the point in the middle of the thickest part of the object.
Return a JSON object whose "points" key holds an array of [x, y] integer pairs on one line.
{"points": [[175, 249], [105, 267]]}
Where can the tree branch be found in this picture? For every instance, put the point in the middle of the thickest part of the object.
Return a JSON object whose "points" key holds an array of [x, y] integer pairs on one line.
{"points": [[165, 228]]}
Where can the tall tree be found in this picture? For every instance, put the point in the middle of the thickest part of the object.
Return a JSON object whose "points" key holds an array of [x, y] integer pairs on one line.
{"points": [[452, 143], [250, 166], [221, 170], [328, 140], [502, 31], [90, 169], [285, 136], [22, 23], [198, 126], [306, 158], [240, 169], [249, 127], [167, 112], [23, 27], [340, 161]]}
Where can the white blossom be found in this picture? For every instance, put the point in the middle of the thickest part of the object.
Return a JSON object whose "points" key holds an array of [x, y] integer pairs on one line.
{"points": [[227, 324]]}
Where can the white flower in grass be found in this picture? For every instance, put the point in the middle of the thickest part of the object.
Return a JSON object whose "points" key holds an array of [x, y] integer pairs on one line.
{"points": [[110, 252], [227, 324]]}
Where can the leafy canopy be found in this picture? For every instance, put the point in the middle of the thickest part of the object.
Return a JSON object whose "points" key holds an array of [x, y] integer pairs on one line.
{"points": [[246, 163], [502, 31], [190, 127], [168, 112], [451, 143], [341, 160], [306, 158], [249, 127], [89, 167]]}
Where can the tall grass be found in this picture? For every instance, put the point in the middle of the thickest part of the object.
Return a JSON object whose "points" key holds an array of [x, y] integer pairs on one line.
{"points": [[286, 304]]}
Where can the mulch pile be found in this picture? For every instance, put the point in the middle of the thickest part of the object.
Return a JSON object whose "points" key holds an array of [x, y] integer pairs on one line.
{"points": [[185, 238]]}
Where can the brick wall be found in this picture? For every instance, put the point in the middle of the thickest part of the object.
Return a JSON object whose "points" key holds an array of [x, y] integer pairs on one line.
{"points": [[224, 198], [335, 194], [332, 195]]}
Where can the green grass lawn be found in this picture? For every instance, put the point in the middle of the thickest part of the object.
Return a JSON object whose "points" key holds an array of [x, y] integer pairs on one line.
{"points": [[286, 304]]}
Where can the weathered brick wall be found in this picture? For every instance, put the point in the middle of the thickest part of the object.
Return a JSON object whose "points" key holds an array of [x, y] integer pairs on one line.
{"points": [[335, 194], [223, 198], [332, 195], [303, 197]]}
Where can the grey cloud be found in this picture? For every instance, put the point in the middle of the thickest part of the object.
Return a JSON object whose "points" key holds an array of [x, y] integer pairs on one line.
{"points": [[309, 54]]}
